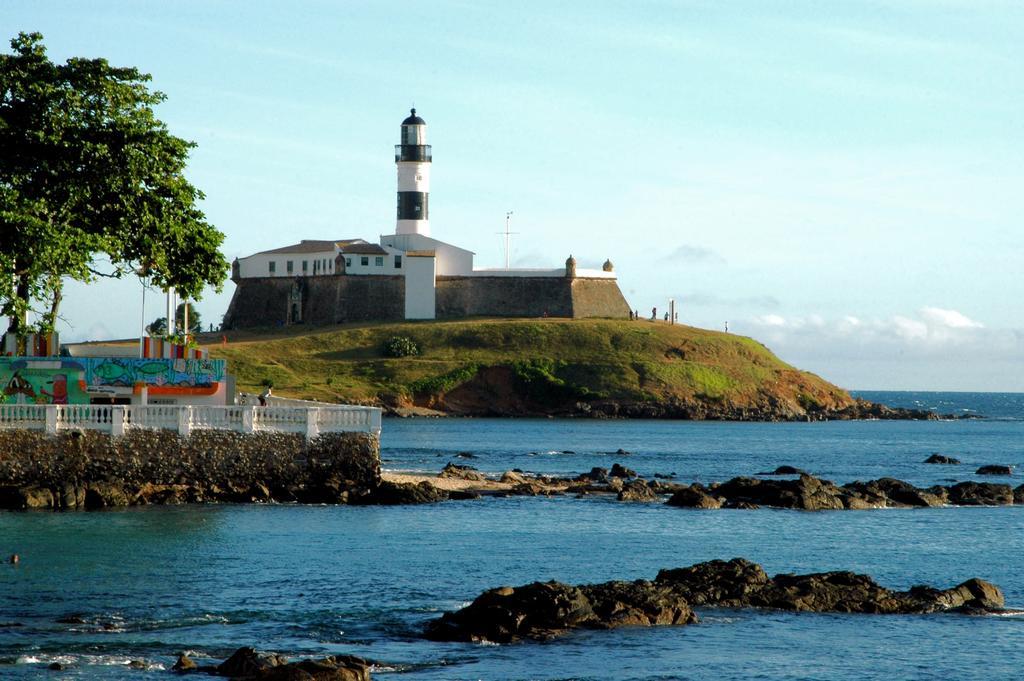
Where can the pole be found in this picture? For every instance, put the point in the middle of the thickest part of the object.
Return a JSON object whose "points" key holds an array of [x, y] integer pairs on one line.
{"points": [[508, 217], [142, 329]]}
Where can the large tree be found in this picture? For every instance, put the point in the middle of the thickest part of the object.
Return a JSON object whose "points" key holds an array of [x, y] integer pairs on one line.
{"points": [[89, 175]]}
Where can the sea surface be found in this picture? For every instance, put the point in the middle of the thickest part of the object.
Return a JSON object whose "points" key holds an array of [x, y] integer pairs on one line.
{"points": [[148, 583]]}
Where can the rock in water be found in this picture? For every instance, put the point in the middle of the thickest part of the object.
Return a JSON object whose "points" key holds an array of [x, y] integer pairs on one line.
{"points": [[543, 610], [994, 469], [980, 494], [620, 471], [247, 662], [807, 493], [393, 493], [716, 582], [250, 665], [637, 490], [941, 459], [786, 470], [184, 664], [453, 470], [693, 496]]}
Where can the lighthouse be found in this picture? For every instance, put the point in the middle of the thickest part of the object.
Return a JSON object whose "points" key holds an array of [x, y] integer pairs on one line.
{"points": [[412, 157]]}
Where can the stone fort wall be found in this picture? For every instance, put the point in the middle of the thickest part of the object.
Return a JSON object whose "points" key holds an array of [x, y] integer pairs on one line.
{"points": [[337, 299]]}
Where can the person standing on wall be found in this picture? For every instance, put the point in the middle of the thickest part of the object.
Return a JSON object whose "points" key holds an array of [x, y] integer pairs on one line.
{"points": [[264, 395]]}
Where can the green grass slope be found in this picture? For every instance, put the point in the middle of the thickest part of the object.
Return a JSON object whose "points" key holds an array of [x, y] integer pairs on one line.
{"points": [[536, 366]]}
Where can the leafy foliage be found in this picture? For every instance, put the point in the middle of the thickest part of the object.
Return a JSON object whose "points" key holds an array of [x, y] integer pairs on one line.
{"points": [[538, 379], [401, 346], [444, 382], [159, 325], [88, 173]]}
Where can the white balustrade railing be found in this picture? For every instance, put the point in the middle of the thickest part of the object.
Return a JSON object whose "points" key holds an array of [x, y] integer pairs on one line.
{"points": [[117, 419]]}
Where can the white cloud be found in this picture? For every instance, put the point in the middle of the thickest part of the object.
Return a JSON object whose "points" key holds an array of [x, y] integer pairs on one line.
{"points": [[933, 348], [950, 318], [694, 255], [771, 320]]}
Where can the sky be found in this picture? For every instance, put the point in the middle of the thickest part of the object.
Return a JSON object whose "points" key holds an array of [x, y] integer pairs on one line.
{"points": [[843, 181]]}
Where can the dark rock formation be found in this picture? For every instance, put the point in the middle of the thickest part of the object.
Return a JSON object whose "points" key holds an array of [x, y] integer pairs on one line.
{"points": [[246, 664], [813, 494], [941, 458], [807, 493], [740, 583], [395, 493], [694, 496], [620, 471], [1018, 494], [980, 494], [637, 490], [543, 610], [184, 664], [994, 469], [786, 470], [452, 470], [892, 492]]}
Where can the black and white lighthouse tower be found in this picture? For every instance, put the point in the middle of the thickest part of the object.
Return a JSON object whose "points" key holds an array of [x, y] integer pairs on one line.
{"points": [[412, 157]]}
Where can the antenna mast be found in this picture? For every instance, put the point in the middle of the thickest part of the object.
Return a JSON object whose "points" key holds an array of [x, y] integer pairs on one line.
{"points": [[507, 234]]}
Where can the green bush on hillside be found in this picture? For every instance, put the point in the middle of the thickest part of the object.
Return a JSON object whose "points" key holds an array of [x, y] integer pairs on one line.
{"points": [[537, 378], [401, 346], [445, 382]]}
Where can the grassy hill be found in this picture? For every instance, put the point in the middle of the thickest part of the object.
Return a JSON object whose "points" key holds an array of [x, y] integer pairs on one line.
{"points": [[536, 366]]}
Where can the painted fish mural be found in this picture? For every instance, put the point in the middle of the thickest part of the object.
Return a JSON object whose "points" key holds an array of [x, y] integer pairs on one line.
{"points": [[66, 380]]}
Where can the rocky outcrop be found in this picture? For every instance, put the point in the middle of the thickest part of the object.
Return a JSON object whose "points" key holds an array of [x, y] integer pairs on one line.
{"points": [[247, 664], [544, 610], [395, 493], [994, 469], [806, 493], [809, 493], [453, 470], [694, 496], [980, 494], [786, 470], [942, 459], [92, 470], [637, 490]]}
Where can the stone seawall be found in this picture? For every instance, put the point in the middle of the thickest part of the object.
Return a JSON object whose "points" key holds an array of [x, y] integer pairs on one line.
{"points": [[93, 470]]}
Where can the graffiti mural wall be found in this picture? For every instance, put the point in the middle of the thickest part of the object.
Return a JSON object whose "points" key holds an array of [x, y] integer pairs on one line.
{"points": [[68, 380]]}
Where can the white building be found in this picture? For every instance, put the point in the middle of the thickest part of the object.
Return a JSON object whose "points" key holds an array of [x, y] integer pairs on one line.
{"points": [[410, 252]]}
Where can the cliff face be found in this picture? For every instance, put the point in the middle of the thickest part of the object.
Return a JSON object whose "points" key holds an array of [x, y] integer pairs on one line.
{"points": [[531, 367]]}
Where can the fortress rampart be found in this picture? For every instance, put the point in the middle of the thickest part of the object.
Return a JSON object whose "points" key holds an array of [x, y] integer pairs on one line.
{"points": [[340, 298]]}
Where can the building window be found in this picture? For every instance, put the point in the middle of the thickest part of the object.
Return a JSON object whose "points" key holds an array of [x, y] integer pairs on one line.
{"points": [[364, 261], [273, 267], [398, 262], [289, 267], [348, 262], [305, 266], [378, 261]]}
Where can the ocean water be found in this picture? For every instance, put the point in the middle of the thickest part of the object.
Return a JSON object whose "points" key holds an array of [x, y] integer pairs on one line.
{"points": [[148, 583]]}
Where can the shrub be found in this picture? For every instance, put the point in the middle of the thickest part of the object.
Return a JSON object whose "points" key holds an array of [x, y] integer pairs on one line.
{"points": [[401, 346], [439, 384]]}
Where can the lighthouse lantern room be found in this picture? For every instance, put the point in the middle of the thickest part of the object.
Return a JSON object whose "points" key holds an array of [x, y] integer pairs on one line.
{"points": [[412, 157]]}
